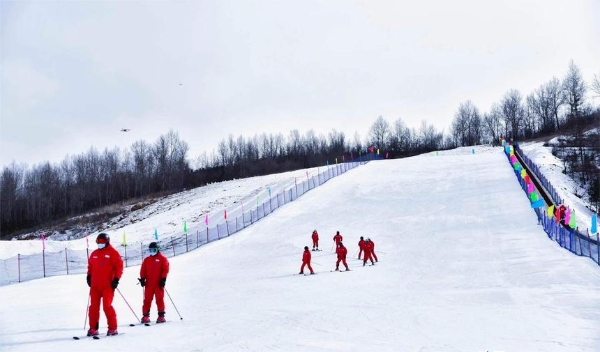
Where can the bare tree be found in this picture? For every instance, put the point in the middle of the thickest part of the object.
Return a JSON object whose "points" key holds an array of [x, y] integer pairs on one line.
{"points": [[379, 133], [574, 90], [492, 123], [466, 126], [595, 86], [512, 112], [556, 99]]}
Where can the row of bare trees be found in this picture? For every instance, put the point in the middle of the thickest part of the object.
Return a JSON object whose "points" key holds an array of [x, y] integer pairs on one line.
{"points": [[515, 117], [91, 180]]}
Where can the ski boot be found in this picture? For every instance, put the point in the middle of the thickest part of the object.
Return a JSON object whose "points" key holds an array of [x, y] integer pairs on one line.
{"points": [[161, 318]]}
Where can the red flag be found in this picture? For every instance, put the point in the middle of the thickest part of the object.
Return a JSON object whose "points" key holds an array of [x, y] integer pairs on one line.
{"points": [[372, 149], [206, 219], [225, 214]]}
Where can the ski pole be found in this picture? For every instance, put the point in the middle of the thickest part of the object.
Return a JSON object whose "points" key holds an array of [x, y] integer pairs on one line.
{"points": [[129, 307], [180, 317], [87, 311]]}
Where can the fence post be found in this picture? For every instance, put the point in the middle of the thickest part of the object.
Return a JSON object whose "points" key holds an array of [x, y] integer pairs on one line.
{"points": [[44, 261], [207, 234], [173, 244], [19, 265], [67, 261], [125, 255], [197, 238], [186, 245]]}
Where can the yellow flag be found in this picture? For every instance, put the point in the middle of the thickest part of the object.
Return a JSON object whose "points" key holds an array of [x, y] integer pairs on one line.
{"points": [[124, 240], [551, 211]]}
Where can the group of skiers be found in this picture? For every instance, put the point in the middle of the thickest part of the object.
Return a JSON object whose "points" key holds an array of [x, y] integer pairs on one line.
{"points": [[366, 247], [105, 268]]}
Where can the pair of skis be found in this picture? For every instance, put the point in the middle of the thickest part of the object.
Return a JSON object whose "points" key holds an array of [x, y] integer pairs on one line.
{"points": [[97, 337]]}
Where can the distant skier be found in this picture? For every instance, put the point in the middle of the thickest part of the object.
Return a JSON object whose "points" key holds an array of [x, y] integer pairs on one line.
{"points": [[337, 239], [361, 244], [368, 248], [315, 240], [341, 256], [372, 245], [105, 268], [306, 261], [153, 277]]}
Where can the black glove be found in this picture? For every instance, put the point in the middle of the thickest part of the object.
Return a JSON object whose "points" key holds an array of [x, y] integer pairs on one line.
{"points": [[162, 282], [142, 282], [115, 283], [89, 280]]}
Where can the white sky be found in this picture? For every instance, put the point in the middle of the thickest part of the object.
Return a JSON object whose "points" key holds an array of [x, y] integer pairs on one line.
{"points": [[463, 266], [75, 72]]}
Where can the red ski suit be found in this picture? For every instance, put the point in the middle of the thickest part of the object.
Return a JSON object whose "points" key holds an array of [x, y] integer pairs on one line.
{"points": [[306, 261], [337, 238], [372, 244], [153, 269], [361, 244], [315, 238], [341, 257], [104, 265], [368, 248]]}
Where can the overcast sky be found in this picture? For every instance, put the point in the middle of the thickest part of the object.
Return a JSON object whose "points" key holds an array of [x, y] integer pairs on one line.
{"points": [[73, 73]]}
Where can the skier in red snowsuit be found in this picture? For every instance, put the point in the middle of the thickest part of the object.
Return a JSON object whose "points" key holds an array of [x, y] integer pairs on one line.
{"points": [[153, 277], [562, 212], [341, 257], [315, 239], [105, 268], [368, 248], [373, 255], [361, 244], [306, 261], [337, 239]]}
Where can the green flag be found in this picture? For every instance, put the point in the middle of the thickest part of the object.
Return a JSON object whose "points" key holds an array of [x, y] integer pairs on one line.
{"points": [[572, 222], [184, 227]]}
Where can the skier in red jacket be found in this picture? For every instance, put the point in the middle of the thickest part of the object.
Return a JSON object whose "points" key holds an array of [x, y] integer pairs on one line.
{"points": [[373, 255], [341, 257], [306, 261], [105, 268], [361, 244], [337, 239], [368, 248], [315, 239], [153, 277]]}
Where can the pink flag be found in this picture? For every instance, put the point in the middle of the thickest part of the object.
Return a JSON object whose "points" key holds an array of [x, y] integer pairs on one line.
{"points": [[568, 216], [386, 154], [206, 219], [43, 242], [225, 214], [529, 187]]}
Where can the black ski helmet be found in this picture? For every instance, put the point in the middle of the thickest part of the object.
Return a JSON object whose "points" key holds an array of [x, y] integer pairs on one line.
{"points": [[305, 248], [361, 237], [341, 244], [103, 236], [154, 245]]}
